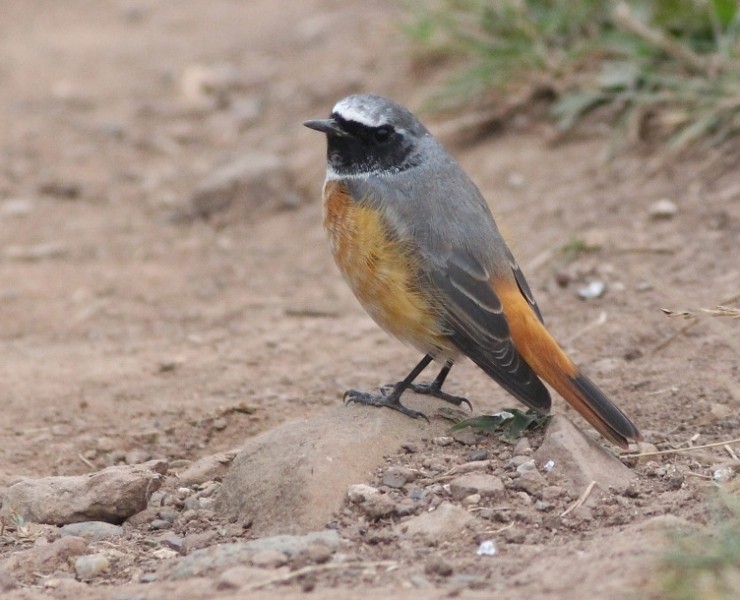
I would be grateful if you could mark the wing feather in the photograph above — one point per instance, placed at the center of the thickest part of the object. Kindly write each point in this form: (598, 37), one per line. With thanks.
(478, 328)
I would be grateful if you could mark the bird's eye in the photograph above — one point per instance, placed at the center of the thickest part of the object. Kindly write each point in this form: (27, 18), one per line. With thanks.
(382, 134)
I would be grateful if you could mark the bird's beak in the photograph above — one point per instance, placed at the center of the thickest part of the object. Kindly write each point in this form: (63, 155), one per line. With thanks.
(327, 126)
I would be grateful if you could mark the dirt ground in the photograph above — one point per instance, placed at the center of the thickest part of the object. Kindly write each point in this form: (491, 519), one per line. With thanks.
(127, 333)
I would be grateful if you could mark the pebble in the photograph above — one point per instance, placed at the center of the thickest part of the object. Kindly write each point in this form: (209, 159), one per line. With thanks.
(530, 481)
(444, 440)
(488, 486)
(662, 209)
(467, 436)
(90, 566)
(486, 548)
(173, 542)
(92, 530)
(522, 447)
(594, 289)
(269, 559)
(359, 492)
(472, 500)
(527, 465)
(447, 520)
(478, 455)
(110, 495)
(208, 468)
(470, 467)
(221, 556)
(436, 565)
(378, 506)
(397, 477)
(160, 524)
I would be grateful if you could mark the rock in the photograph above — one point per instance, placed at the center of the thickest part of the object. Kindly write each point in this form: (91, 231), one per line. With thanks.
(662, 209)
(530, 481)
(45, 558)
(487, 486)
(90, 566)
(446, 521)
(293, 478)
(269, 559)
(594, 289)
(225, 555)
(377, 506)
(110, 495)
(397, 477)
(579, 460)
(93, 530)
(522, 447)
(478, 455)
(252, 181)
(360, 492)
(467, 436)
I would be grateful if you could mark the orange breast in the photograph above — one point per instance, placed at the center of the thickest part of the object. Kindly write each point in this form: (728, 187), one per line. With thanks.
(380, 271)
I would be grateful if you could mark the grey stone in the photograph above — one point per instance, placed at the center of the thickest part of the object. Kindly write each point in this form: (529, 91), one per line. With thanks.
(208, 468)
(90, 566)
(487, 486)
(447, 520)
(93, 530)
(226, 555)
(530, 481)
(45, 558)
(110, 495)
(579, 460)
(397, 477)
(269, 559)
(293, 478)
(255, 180)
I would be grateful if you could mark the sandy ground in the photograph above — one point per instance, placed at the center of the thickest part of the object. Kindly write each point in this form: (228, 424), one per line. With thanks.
(126, 332)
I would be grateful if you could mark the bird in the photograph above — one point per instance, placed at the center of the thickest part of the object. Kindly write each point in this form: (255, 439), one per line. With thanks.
(417, 243)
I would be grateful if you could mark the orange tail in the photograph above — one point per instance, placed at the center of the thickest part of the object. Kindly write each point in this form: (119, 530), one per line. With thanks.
(542, 353)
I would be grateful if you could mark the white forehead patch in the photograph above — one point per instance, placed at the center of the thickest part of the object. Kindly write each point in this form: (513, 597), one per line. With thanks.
(351, 111)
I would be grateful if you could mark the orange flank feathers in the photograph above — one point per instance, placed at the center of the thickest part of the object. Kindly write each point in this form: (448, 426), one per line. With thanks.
(379, 270)
(541, 352)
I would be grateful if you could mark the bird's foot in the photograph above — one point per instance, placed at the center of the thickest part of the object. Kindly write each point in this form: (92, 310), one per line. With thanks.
(432, 389)
(387, 397)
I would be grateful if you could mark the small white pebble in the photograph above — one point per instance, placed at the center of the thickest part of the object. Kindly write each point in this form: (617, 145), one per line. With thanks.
(90, 565)
(663, 209)
(723, 474)
(486, 548)
(548, 466)
(526, 466)
(593, 290)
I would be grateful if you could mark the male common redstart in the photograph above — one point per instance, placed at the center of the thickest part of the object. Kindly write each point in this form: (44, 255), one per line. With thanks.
(416, 242)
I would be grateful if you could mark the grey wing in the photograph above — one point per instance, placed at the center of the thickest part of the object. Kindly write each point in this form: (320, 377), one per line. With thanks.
(478, 328)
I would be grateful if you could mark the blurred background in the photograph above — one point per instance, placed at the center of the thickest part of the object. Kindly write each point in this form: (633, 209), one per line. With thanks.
(165, 285)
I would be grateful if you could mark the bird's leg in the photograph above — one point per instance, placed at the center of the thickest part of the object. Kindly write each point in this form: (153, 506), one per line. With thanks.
(435, 388)
(390, 396)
